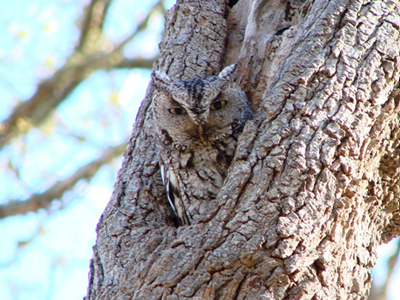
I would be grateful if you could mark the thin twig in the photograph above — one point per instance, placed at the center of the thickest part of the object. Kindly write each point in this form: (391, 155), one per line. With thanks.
(43, 200)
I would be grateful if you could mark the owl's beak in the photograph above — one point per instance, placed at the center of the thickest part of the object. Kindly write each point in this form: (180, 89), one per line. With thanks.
(201, 132)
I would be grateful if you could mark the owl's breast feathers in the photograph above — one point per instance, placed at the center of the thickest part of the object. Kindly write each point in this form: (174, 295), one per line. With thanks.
(193, 177)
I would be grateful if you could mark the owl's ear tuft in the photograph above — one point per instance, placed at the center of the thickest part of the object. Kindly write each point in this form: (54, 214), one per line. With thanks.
(228, 76)
(161, 81)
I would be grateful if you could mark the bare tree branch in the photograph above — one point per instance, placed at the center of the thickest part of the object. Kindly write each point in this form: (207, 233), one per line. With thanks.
(37, 201)
(141, 26)
(145, 63)
(51, 92)
(93, 20)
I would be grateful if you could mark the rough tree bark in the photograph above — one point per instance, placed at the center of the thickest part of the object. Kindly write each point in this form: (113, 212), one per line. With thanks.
(314, 185)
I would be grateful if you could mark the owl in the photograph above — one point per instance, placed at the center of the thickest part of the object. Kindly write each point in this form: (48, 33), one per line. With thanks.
(197, 123)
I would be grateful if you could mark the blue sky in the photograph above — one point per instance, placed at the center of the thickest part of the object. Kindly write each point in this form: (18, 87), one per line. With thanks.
(36, 39)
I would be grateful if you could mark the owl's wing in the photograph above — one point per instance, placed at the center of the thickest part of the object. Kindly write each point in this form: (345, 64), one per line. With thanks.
(174, 198)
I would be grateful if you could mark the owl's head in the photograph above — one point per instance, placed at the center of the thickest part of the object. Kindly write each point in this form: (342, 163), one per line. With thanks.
(199, 108)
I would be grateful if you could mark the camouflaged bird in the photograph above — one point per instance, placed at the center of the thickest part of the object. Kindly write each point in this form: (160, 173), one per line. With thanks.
(198, 122)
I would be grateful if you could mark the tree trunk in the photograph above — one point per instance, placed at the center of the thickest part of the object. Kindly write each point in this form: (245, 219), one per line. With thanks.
(314, 185)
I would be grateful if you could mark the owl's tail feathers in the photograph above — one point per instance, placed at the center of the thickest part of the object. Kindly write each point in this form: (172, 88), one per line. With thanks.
(178, 206)
(174, 198)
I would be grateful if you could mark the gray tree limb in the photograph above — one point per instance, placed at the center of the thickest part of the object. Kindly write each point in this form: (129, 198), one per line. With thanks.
(94, 16)
(57, 190)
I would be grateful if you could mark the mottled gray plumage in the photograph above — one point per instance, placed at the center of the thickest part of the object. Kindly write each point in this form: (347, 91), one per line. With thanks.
(198, 122)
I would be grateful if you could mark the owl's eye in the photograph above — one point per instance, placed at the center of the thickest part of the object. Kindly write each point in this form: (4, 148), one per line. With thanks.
(177, 111)
(217, 105)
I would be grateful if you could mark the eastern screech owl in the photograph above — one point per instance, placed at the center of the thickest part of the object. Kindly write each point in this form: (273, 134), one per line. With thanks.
(198, 122)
